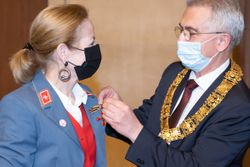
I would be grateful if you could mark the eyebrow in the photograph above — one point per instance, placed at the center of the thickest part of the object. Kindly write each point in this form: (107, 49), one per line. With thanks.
(188, 28)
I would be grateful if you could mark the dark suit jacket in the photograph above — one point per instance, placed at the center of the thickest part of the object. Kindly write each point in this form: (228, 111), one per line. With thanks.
(220, 140)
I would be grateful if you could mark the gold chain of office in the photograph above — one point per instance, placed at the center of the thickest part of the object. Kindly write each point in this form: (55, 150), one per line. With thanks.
(231, 78)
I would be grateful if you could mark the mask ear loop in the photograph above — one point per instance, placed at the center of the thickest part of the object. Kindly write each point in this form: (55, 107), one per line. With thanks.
(64, 74)
(68, 62)
(216, 54)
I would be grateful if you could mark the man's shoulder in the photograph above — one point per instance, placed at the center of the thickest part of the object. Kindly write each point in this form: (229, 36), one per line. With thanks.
(240, 94)
(176, 64)
(173, 68)
(170, 73)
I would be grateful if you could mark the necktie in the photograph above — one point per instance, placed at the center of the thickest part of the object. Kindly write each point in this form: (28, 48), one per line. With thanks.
(190, 86)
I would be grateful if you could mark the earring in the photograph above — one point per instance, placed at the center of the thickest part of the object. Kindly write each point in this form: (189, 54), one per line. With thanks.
(64, 74)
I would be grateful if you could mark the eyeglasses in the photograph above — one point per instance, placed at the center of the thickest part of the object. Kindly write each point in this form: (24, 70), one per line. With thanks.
(188, 34)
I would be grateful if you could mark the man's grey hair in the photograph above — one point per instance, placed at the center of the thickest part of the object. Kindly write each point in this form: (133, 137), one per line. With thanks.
(226, 17)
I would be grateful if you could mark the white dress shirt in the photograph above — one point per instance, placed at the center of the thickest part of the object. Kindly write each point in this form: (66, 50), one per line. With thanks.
(203, 84)
(80, 97)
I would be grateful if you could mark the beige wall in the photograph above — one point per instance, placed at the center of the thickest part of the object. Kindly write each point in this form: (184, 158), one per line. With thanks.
(137, 41)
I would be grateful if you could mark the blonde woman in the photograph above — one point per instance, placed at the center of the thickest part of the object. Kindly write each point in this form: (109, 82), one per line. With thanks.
(49, 120)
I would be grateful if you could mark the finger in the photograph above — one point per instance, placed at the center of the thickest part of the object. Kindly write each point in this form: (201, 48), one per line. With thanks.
(106, 92)
(100, 99)
(111, 111)
(108, 105)
(101, 96)
(108, 119)
(117, 103)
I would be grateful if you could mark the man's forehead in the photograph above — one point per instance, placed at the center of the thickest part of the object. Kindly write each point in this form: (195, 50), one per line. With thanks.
(196, 17)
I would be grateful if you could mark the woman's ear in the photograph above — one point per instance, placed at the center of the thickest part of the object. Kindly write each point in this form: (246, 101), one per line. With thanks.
(223, 42)
(62, 51)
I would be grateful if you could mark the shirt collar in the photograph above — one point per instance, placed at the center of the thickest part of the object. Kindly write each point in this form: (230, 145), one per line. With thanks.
(80, 95)
(206, 80)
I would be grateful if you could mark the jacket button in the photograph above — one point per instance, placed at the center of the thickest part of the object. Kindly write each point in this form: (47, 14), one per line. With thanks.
(140, 161)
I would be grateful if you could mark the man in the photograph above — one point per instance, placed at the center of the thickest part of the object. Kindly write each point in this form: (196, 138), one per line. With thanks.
(200, 112)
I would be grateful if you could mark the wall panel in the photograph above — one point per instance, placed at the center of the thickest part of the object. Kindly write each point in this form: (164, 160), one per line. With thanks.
(245, 58)
(16, 17)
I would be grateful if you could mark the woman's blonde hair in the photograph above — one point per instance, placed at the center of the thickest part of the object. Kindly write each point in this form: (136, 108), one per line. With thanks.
(52, 26)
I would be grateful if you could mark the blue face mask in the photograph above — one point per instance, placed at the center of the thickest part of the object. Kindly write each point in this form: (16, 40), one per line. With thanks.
(191, 56)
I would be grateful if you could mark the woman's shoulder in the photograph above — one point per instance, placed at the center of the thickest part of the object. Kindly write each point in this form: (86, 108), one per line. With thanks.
(21, 96)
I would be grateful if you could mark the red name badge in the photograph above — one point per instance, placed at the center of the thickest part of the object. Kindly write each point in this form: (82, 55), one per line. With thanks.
(45, 97)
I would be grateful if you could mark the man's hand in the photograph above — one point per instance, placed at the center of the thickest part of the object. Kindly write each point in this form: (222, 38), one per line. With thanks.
(121, 118)
(107, 92)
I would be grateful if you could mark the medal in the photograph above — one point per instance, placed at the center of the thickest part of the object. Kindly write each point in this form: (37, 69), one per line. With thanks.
(95, 108)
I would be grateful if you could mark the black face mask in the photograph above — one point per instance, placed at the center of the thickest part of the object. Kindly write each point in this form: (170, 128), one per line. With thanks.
(91, 64)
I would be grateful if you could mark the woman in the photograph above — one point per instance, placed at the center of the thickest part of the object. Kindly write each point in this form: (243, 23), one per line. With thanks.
(50, 121)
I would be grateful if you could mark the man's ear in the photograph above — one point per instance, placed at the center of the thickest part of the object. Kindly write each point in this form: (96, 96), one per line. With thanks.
(62, 51)
(223, 42)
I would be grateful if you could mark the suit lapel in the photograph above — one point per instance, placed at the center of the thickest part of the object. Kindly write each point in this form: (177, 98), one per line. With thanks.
(176, 96)
(160, 96)
(53, 108)
(92, 116)
(91, 101)
(179, 90)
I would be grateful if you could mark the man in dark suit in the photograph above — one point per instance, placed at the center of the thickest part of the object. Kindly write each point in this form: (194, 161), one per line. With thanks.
(200, 112)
